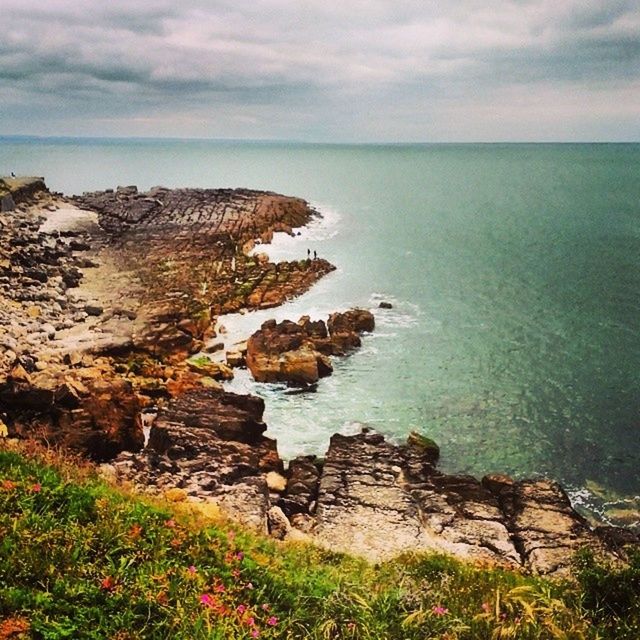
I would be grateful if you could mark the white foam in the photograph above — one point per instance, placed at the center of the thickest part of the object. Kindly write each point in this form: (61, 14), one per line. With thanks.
(287, 247)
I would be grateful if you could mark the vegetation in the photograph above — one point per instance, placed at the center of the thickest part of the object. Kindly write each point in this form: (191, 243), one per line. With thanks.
(81, 559)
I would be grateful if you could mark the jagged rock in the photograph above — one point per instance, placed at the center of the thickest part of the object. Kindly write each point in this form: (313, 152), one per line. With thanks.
(285, 353)
(354, 320)
(297, 352)
(228, 415)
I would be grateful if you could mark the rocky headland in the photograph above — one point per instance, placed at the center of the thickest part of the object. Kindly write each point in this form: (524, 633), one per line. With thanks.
(106, 297)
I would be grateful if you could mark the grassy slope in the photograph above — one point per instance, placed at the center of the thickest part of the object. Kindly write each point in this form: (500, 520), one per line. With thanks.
(80, 559)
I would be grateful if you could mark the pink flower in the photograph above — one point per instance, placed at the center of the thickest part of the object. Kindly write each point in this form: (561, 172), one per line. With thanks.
(255, 633)
(36, 487)
(219, 588)
(265, 607)
(249, 585)
(272, 621)
(206, 599)
(192, 570)
(241, 609)
(439, 610)
(486, 607)
(239, 555)
(251, 621)
(170, 524)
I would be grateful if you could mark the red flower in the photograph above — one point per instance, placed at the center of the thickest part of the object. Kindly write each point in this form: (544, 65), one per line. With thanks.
(36, 487)
(8, 485)
(272, 621)
(108, 584)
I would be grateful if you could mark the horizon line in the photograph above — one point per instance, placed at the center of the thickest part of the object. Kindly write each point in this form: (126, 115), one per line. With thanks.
(28, 137)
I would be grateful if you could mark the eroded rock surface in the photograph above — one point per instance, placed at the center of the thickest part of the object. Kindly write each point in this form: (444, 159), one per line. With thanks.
(379, 500)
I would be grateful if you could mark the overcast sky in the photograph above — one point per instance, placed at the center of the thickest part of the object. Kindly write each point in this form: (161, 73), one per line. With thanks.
(323, 70)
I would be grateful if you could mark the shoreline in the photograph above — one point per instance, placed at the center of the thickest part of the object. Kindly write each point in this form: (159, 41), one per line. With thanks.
(95, 401)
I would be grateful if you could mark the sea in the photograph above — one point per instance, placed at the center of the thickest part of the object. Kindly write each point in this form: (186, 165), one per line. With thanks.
(512, 270)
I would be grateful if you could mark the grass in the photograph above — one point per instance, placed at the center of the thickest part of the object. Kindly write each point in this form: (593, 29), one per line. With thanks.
(81, 559)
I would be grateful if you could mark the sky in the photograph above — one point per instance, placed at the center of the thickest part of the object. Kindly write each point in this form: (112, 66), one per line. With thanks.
(323, 70)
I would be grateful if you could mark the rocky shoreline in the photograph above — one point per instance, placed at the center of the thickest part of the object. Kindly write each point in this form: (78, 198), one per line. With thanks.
(103, 299)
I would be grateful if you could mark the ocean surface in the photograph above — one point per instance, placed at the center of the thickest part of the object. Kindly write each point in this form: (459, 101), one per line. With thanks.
(513, 270)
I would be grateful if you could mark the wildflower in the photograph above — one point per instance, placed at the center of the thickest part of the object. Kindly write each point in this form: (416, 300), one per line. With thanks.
(170, 523)
(351, 626)
(8, 485)
(236, 573)
(239, 555)
(272, 621)
(192, 570)
(251, 621)
(36, 487)
(439, 610)
(107, 584)
(135, 531)
(486, 607)
(249, 585)
(255, 633)
(265, 607)
(206, 599)
(241, 609)
(219, 588)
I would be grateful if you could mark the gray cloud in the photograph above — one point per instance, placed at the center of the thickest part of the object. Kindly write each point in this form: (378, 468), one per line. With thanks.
(364, 69)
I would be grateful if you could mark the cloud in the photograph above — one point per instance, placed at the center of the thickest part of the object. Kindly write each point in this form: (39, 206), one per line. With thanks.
(214, 62)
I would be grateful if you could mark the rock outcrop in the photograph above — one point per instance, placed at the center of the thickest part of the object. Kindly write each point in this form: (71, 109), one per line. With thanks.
(96, 319)
(380, 500)
(210, 445)
(298, 352)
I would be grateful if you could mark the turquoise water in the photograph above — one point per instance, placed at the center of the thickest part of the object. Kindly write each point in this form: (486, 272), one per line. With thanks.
(513, 271)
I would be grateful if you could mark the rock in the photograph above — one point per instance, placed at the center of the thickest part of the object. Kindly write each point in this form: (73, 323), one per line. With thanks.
(276, 482)
(297, 352)
(427, 447)
(302, 485)
(354, 320)
(279, 525)
(7, 203)
(93, 310)
(207, 367)
(378, 500)
(385, 305)
(227, 415)
(235, 359)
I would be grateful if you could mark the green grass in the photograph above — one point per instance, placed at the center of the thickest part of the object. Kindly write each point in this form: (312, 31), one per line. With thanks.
(80, 559)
